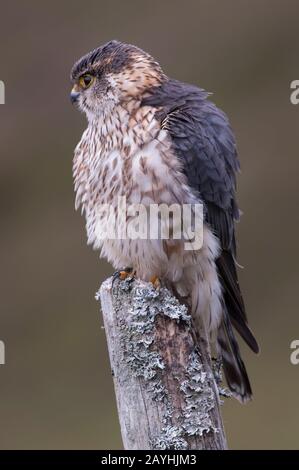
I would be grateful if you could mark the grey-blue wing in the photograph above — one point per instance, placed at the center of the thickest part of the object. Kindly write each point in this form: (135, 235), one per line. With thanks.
(204, 142)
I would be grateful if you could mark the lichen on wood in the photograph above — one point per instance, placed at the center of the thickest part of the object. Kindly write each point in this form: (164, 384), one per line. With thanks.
(165, 389)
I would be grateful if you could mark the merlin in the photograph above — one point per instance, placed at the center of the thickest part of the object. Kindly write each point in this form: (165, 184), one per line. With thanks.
(156, 140)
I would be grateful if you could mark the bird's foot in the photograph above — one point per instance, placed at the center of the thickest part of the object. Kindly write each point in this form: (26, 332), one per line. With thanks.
(123, 274)
(156, 282)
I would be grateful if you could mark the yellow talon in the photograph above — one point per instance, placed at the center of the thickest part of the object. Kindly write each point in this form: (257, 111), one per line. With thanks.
(156, 282)
(123, 274)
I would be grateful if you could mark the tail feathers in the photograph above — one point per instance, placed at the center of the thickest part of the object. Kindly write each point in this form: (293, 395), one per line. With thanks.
(233, 366)
(243, 329)
(233, 298)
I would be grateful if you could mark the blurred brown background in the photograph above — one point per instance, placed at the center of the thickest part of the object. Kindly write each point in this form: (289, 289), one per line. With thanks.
(56, 389)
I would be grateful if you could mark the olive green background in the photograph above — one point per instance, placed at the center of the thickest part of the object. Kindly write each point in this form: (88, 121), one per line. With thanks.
(56, 389)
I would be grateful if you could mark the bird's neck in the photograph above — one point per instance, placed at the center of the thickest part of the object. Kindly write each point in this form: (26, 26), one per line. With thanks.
(126, 124)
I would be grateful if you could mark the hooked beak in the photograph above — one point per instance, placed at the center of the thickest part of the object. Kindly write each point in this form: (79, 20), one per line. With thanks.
(74, 96)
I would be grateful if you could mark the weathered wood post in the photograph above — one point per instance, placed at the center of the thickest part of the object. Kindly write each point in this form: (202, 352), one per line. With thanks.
(166, 394)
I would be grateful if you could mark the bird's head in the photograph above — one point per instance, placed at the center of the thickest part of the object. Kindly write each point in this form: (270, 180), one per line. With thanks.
(113, 74)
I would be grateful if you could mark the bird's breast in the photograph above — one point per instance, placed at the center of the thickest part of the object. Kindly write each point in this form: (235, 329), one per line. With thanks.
(131, 163)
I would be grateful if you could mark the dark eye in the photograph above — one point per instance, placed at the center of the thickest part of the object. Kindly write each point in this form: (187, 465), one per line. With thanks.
(86, 80)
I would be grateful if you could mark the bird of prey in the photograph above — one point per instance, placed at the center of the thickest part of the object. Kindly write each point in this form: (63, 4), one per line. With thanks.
(156, 140)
